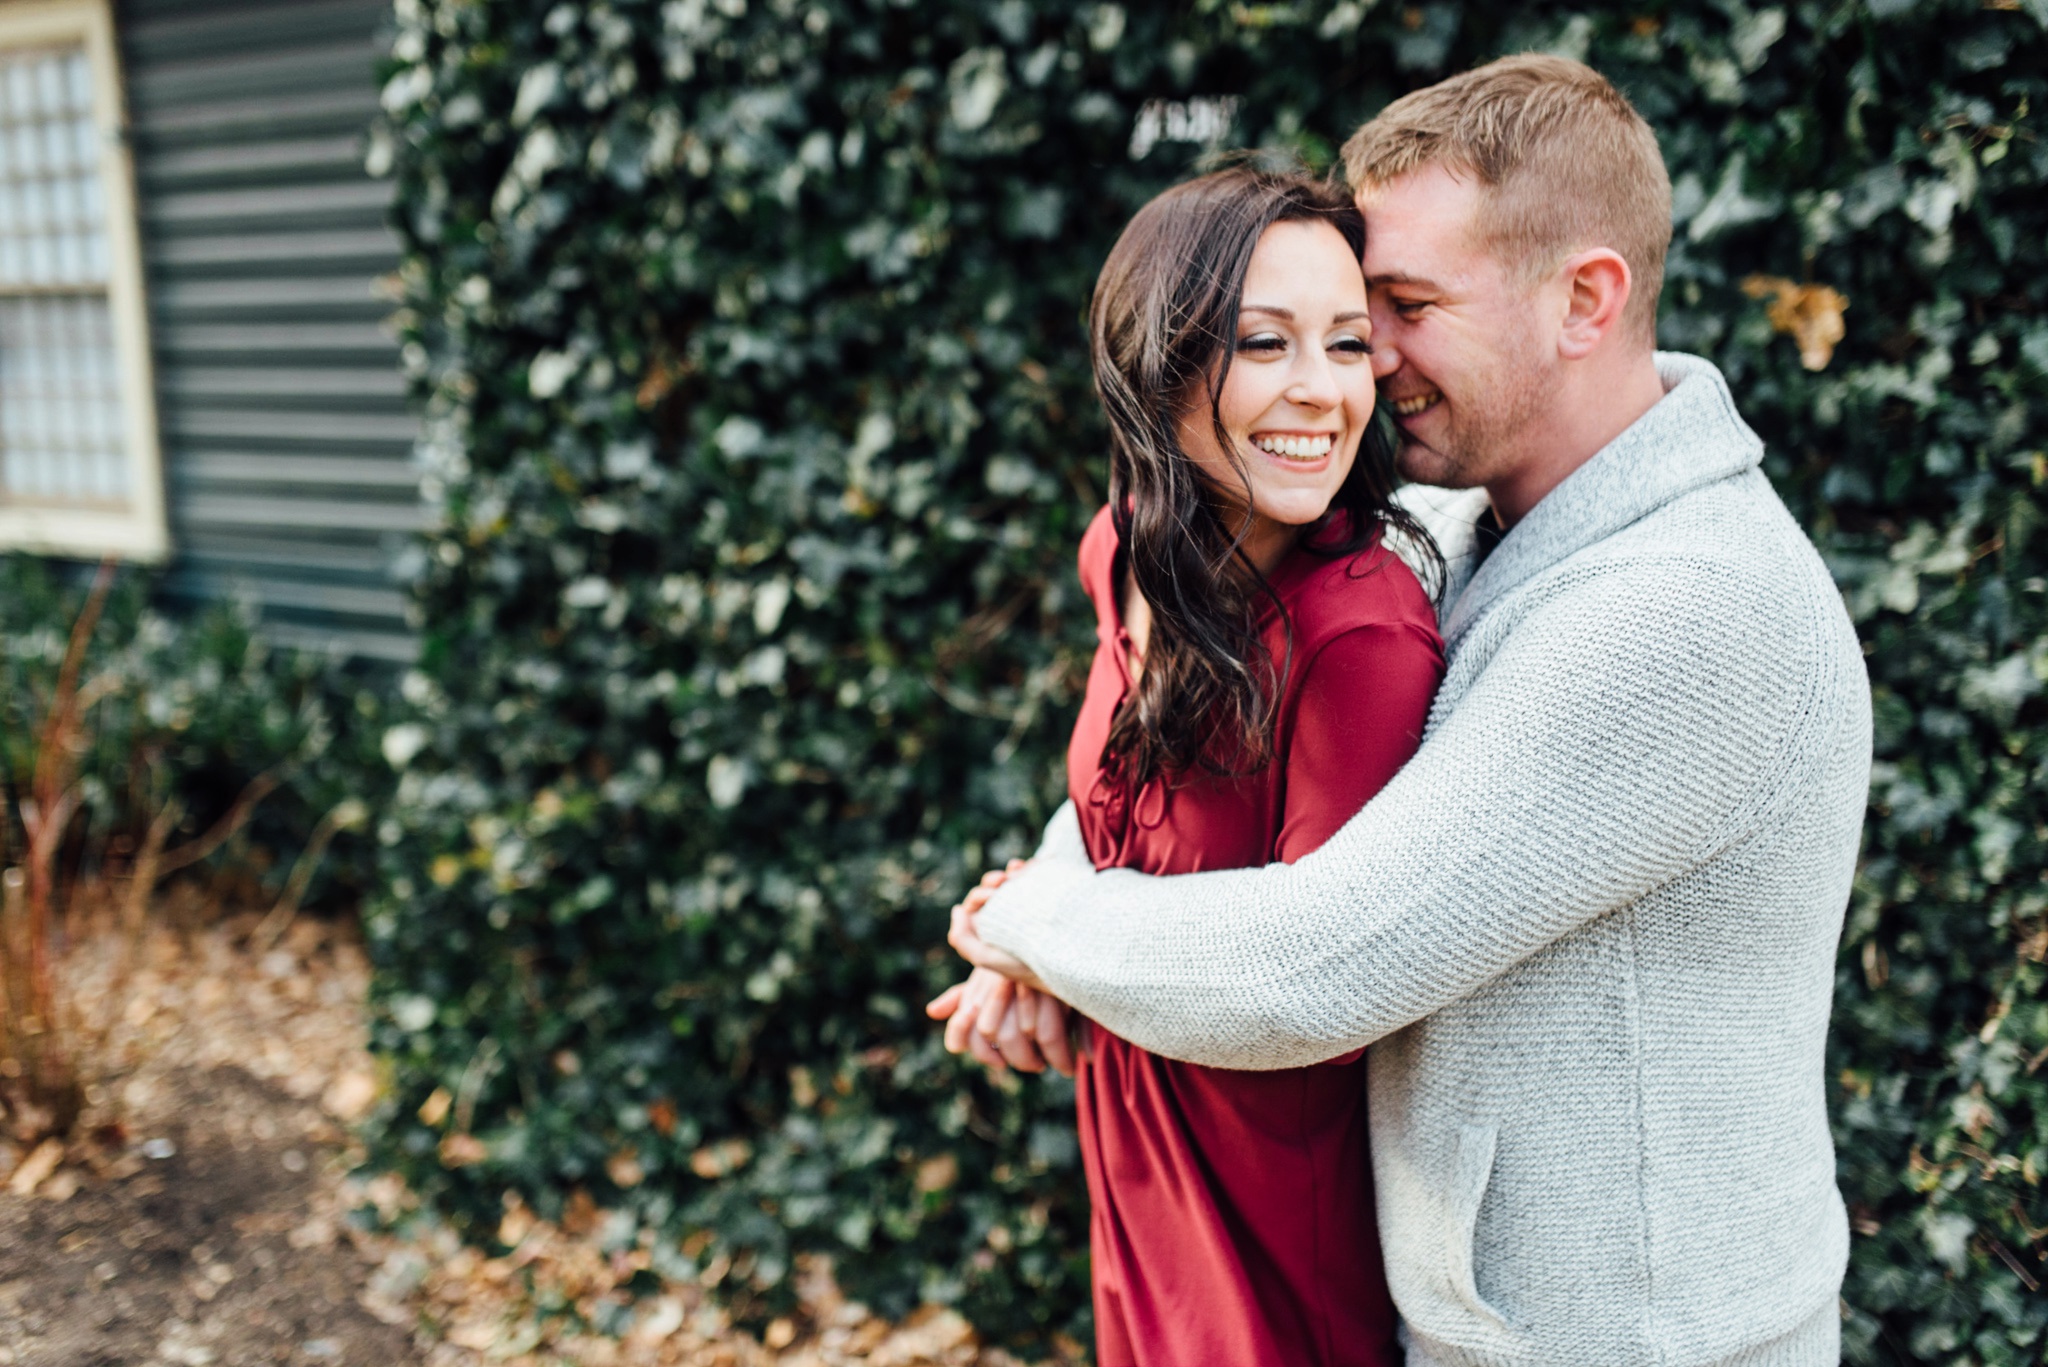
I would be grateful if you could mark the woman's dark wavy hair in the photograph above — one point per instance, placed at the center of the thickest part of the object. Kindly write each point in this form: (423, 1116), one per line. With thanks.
(1162, 330)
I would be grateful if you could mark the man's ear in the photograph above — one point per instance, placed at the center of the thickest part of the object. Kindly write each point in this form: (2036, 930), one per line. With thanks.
(1598, 285)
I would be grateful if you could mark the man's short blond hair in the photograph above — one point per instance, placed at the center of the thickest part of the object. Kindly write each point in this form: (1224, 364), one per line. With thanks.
(1567, 162)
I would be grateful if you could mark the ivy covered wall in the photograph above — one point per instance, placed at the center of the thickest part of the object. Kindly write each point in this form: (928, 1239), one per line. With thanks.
(748, 336)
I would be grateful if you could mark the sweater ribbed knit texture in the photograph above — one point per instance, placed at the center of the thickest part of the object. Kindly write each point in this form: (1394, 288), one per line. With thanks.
(1589, 931)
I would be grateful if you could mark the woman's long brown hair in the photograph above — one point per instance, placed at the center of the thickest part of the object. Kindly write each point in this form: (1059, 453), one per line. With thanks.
(1162, 330)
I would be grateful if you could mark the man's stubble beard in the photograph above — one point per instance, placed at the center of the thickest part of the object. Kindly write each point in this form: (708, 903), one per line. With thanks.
(1484, 436)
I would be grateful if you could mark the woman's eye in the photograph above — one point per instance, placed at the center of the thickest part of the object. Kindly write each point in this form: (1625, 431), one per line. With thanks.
(1262, 342)
(1351, 346)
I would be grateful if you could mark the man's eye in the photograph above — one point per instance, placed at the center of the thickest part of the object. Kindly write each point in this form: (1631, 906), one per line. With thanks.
(1262, 341)
(1409, 308)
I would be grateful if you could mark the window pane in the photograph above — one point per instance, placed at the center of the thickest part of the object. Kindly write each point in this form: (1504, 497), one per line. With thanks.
(60, 401)
(60, 397)
(49, 171)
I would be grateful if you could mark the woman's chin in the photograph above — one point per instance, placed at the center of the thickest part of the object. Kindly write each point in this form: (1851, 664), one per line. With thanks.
(1295, 510)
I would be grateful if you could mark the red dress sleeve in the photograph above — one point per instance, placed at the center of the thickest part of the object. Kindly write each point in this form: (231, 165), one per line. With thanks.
(1358, 717)
(1096, 561)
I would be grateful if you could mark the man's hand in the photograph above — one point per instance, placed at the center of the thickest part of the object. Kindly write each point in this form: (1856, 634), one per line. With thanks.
(1004, 1018)
(972, 947)
(1004, 1024)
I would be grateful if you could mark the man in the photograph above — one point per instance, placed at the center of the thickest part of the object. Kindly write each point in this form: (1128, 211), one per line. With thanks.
(1590, 929)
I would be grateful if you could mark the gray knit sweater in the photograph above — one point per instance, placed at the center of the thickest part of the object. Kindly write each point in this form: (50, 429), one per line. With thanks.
(1589, 930)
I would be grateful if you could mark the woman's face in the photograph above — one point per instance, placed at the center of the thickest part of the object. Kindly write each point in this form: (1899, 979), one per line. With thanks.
(1300, 389)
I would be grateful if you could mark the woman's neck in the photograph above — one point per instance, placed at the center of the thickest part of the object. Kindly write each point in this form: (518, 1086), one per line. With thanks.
(1266, 546)
(1267, 543)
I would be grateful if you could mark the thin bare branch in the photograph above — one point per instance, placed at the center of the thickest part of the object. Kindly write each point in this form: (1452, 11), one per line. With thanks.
(348, 813)
(224, 829)
(148, 868)
(53, 752)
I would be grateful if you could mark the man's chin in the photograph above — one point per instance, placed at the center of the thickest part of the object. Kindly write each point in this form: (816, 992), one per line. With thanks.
(1422, 464)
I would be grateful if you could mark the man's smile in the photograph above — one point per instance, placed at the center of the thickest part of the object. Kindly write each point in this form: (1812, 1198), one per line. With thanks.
(1416, 403)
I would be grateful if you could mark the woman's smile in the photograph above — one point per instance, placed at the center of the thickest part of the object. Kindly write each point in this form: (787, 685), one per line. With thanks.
(1306, 450)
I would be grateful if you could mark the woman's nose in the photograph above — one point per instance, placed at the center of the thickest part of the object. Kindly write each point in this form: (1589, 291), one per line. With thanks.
(1315, 384)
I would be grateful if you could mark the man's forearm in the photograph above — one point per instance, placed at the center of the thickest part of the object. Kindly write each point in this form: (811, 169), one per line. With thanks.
(1080, 924)
(1531, 811)
(1061, 842)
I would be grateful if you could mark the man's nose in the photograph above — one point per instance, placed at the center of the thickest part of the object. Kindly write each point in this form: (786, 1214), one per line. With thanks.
(1386, 357)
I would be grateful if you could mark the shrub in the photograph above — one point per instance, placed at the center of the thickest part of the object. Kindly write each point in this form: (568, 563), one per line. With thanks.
(181, 716)
(132, 747)
(748, 338)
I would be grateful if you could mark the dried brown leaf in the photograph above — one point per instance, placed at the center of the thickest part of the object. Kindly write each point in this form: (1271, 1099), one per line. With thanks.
(938, 1173)
(1812, 314)
(41, 1162)
(716, 1160)
(624, 1169)
(435, 1108)
(460, 1150)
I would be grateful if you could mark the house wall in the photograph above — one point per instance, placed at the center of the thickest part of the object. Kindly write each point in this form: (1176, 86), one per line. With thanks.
(286, 436)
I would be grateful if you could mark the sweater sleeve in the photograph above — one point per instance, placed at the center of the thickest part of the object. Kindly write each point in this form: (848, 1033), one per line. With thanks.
(1062, 842)
(1358, 716)
(1599, 754)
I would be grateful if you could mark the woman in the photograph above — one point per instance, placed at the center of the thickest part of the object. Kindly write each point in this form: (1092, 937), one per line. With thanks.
(1265, 664)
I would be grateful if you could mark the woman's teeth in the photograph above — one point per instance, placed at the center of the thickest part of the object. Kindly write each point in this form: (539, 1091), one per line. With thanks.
(1408, 408)
(1296, 448)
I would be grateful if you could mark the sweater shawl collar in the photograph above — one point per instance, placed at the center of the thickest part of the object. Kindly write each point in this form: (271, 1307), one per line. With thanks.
(1691, 438)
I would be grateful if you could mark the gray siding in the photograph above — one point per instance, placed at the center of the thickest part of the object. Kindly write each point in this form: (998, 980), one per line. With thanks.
(286, 436)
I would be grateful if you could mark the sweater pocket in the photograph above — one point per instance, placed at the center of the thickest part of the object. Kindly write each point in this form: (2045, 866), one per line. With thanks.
(1468, 1188)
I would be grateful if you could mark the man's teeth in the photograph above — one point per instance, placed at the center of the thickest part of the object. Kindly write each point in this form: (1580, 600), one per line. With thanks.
(1408, 408)
(1297, 448)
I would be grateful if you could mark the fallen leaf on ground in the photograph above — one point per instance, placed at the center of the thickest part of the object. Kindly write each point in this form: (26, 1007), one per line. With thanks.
(38, 1165)
(351, 1096)
(929, 1335)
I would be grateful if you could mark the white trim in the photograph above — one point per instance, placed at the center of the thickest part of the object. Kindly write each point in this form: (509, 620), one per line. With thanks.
(139, 531)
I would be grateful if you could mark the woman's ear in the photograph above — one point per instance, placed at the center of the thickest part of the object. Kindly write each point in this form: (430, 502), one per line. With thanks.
(1598, 285)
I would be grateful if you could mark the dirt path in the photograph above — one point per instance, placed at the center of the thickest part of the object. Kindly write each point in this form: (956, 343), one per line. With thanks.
(198, 1257)
(198, 1229)
(207, 1222)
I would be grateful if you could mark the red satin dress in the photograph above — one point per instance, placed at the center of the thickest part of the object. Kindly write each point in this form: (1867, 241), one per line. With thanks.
(1233, 1221)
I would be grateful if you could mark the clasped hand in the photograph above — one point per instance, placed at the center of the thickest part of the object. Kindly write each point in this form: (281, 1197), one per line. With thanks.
(1002, 1014)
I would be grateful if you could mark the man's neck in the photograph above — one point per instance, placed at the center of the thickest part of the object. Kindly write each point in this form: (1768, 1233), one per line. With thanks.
(1597, 405)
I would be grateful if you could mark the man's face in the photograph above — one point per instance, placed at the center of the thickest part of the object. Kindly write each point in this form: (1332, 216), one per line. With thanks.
(1462, 356)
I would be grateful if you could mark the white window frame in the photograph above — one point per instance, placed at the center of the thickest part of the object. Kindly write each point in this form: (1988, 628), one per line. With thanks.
(138, 531)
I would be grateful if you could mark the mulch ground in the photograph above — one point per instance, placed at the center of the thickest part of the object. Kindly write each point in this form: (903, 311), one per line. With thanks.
(205, 1219)
(194, 1226)
(190, 1258)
